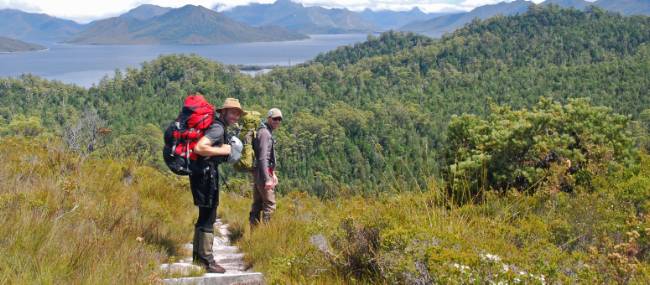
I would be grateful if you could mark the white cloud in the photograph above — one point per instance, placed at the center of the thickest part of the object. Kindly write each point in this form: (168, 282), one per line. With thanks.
(20, 5)
(86, 10)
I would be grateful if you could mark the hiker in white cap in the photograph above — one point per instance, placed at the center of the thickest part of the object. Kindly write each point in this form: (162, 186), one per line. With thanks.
(264, 172)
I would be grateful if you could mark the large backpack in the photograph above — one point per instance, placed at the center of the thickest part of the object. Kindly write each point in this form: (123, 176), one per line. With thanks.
(250, 121)
(182, 135)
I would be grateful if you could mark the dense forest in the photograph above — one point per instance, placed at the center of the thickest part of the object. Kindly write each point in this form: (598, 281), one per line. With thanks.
(551, 99)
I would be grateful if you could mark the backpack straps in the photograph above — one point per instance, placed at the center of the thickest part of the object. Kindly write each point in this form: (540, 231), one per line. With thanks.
(216, 160)
(223, 125)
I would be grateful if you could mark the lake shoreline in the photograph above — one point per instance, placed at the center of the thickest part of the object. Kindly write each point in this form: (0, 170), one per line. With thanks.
(86, 65)
(22, 51)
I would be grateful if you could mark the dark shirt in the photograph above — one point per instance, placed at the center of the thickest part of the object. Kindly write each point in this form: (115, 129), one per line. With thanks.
(204, 180)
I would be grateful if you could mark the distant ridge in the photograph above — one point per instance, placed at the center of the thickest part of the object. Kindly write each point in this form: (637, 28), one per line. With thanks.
(13, 45)
(186, 25)
(298, 18)
(448, 23)
(25, 26)
(145, 11)
(445, 24)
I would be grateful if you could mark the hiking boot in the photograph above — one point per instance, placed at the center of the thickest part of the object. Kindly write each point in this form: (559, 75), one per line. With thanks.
(214, 268)
(204, 257)
(253, 219)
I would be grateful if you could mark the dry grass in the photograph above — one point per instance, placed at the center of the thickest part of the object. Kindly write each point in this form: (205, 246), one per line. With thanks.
(72, 220)
(67, 219)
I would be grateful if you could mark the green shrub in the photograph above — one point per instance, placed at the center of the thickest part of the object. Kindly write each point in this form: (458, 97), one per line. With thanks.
(556, 146)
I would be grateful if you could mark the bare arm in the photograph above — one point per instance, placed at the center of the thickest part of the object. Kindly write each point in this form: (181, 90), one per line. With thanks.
(204, 148)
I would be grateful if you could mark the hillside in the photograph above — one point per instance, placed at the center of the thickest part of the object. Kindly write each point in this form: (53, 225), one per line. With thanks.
(387, 43)
(535, 124)
(577, 4)
(35, 27)
(298, 18)
(439, 26)
(12, 45)
(175, 27)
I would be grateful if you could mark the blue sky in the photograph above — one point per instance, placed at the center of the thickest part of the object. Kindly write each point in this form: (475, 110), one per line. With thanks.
(87, 10)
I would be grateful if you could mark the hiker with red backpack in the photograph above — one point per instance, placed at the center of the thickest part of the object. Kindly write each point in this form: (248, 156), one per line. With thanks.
(205, 184)
(195, 143)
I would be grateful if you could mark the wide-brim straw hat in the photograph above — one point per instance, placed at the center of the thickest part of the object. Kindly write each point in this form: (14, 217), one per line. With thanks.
(231, 103)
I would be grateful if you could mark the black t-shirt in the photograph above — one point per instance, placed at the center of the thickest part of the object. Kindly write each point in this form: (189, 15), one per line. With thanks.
(204, 180)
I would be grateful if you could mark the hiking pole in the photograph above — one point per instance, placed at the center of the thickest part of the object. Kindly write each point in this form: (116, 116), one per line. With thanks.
(225, 182)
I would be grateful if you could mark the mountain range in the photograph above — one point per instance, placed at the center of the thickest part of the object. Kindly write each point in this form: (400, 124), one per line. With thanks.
(317, 20)
(281, 20)
(186, 25)
(438, 26)
(296, 17)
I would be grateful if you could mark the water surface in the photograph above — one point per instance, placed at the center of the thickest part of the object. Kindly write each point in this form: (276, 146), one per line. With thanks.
(86, 64)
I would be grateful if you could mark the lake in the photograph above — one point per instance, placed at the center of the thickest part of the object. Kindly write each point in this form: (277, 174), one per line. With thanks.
(85, 65)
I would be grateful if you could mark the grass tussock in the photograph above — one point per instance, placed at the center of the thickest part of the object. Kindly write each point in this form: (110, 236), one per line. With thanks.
(69, 219)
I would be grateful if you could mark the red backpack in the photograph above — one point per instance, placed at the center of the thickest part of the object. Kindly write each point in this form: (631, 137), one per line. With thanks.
(183, 133)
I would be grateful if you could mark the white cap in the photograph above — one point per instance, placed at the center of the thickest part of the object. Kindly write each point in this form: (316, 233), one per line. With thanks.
(274, 113)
